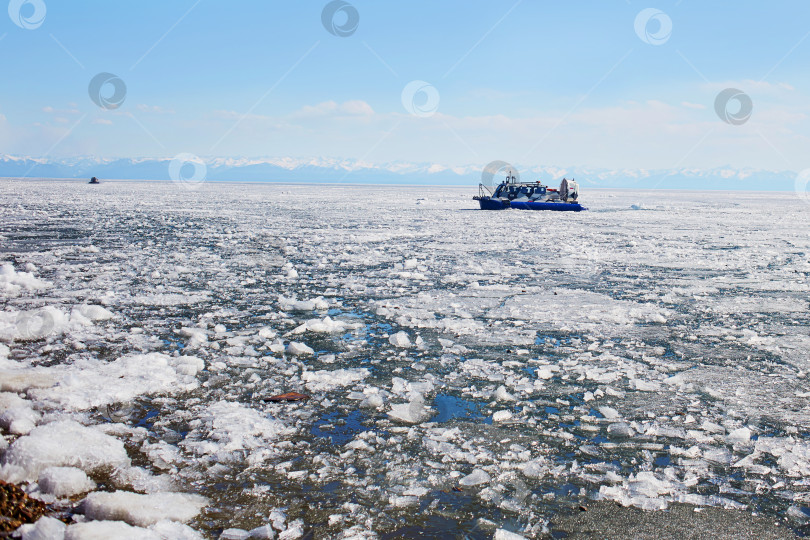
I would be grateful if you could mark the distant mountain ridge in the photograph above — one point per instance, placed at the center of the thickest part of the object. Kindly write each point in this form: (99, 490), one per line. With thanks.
(332, 170)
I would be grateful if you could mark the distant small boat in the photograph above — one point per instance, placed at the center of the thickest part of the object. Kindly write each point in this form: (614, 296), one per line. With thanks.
(530, 196)
(94, 180)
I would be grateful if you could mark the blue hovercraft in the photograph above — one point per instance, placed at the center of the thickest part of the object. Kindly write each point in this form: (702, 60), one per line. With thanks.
(512, 193)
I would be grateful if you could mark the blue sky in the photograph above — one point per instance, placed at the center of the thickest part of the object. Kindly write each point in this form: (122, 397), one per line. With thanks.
(531, 82)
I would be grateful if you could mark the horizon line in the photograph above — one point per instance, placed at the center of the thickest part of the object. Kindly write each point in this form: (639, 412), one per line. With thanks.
(372, 184)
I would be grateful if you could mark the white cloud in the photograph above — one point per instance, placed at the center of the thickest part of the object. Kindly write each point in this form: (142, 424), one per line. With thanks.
(331, 108)
(357, 107)
(240, 122)
(72, 110)
(653, 134)
(491, 94)
(750, 86)
(154, 109)
(236, 115)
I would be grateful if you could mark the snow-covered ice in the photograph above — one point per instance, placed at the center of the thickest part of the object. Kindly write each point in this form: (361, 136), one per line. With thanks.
(142, 510)
(64, 481)
(456, 374)
(64, 443)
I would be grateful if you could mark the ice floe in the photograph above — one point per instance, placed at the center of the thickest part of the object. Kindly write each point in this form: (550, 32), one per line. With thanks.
(63, 443)
(13, 282)
(142, 510)
(91, 383)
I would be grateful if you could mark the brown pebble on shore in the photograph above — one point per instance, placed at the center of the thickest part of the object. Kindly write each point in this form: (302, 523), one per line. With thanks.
(17, 508)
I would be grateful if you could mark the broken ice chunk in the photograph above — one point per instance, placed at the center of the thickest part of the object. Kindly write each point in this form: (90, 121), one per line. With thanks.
(142, 510)
(410, 413)
(501, 394)
(711, 427)
(502, 416)
(93, 312)
(197, 336)
(12, 282)
(92, 530)
(65, 443)
(299, 349)
(293, 531)
(46, 528)
(546, 372)
(621, 429)
(234, 534)
(400, 339)
(535, 468)
(267, 333)
(292, 304)
(401, 501)
(798, 513)
(326, 325)
(17, 416)
(321, 380)
(645, 386)
(609, 412)
(262, 532)
(277, 346)
(741, 436)
(718, 455)
(64, 481)
(503, 534)
(478, 476)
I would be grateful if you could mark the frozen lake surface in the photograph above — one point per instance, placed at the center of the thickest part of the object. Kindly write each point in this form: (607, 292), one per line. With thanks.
(469, 371)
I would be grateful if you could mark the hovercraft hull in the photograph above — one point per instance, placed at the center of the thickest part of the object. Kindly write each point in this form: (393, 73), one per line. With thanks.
(499, 204)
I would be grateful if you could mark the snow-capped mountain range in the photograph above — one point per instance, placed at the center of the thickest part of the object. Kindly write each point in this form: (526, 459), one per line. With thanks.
(348, 171)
